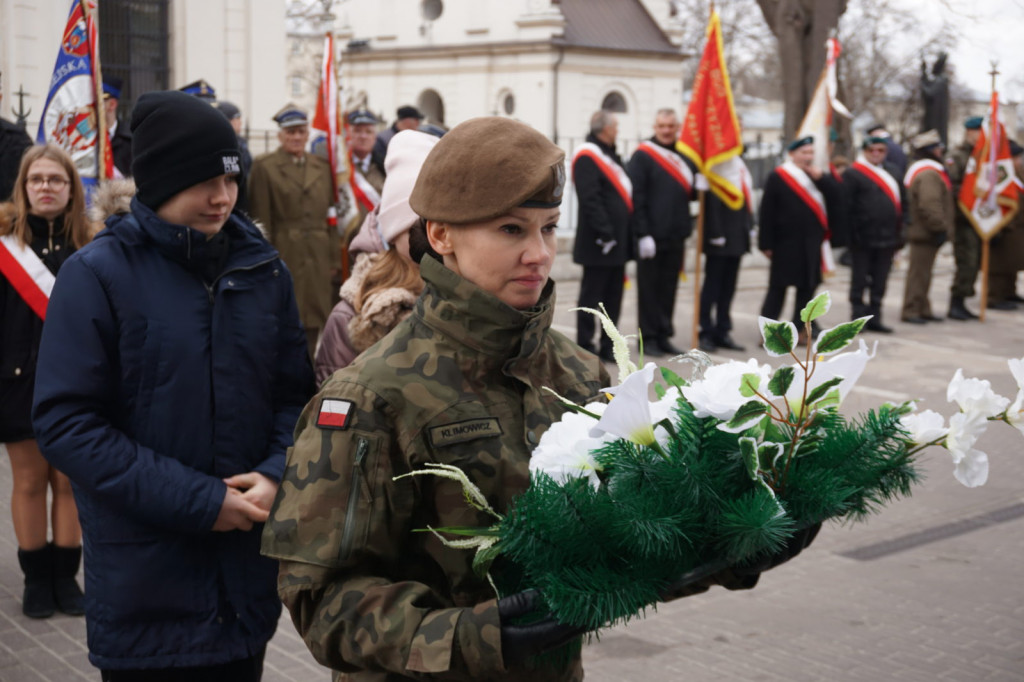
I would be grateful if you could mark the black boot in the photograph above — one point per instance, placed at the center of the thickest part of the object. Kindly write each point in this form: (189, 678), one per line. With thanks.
(875, 323)
(37, 565)
(958, 311)
(66, 591)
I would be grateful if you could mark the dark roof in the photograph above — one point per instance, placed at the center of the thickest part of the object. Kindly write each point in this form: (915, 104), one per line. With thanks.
(613, 25)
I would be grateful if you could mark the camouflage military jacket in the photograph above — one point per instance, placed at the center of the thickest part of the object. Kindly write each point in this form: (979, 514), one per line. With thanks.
(458, 382)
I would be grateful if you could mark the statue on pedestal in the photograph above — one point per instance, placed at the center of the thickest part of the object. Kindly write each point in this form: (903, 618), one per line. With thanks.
(935, 96)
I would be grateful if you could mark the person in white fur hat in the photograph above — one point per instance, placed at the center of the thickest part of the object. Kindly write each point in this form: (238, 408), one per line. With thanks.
(385, 281)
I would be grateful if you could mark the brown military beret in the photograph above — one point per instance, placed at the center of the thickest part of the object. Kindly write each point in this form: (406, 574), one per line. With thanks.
(484, 168)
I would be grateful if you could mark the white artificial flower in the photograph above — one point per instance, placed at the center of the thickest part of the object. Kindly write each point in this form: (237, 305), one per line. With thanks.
(628, 415)
(971, 465)
(848, 366)
(1015, 412)
(975, 395)
(718, 393)
(565, 450)
(924, 427)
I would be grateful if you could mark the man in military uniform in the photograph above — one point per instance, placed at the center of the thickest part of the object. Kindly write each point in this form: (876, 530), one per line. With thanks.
(1007, 250)
(367, 177)
(930, 199)
(966, 242)
(120, 136)
(13, 143)
(290, 193)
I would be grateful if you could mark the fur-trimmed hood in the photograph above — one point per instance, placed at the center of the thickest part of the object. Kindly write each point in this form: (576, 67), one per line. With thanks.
(114, 197)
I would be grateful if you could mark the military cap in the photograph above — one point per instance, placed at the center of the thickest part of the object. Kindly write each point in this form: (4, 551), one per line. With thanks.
(873, 139)
(362, 117)
(200, 89)
(408, 111)
(229, 110)
(485, 167)
(290, 116)
(800, 142)
(112, 86)
(973, 123)
(928, 138)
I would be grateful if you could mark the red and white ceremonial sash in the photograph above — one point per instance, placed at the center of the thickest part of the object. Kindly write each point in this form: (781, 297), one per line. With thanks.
(925, 165)
(365, 193)
(671, 162)
(881, 177)
(803, 187)
(615, 173)
(27, 273)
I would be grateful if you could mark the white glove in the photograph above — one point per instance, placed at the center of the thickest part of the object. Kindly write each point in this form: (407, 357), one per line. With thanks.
(701, 183)
(606, 247)
(646, 247)
(717, 241)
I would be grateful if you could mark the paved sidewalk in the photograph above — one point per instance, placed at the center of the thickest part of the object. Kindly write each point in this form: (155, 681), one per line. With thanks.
(930, 589)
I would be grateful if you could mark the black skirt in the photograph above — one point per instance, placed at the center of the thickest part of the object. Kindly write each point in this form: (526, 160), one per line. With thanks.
(16, 409)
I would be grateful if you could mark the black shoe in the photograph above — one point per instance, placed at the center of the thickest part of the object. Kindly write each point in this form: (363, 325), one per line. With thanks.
(958, 311)
(706, 343)
(665, 346)
(66, 591)
(38, 568)
(874, 326)
(653, 351)
(607, 355)
(1002, 305)
(1015, 298)
(932, 318)
(727, 343)
(915, 320)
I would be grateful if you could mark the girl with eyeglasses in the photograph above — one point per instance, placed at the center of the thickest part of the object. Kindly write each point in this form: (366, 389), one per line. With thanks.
(39, 229)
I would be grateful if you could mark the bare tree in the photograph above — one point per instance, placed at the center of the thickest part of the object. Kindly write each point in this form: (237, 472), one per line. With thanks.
(801, 28)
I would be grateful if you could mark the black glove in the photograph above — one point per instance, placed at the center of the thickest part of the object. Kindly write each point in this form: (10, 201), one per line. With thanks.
(522, 641)
(794, 545)
(938, 238)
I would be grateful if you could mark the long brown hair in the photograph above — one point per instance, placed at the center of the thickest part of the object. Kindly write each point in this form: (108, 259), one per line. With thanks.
(390, 270)
(76, 224)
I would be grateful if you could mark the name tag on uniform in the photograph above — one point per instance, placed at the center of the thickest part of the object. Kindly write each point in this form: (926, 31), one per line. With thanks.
(460, 432)
(334, 413)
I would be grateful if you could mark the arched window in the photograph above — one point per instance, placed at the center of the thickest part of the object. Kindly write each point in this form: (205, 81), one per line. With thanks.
(432, 106)
(614, 101)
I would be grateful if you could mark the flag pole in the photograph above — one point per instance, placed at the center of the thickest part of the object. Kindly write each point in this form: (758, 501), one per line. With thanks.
(698, 250)
(993, 140)
(97, 88)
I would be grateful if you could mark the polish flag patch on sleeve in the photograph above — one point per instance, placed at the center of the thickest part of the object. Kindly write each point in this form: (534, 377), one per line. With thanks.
(334, 413)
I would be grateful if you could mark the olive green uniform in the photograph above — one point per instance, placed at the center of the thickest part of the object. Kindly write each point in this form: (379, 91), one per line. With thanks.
(459, 382)
(1006, 259)
(966, 242)
(931, 214)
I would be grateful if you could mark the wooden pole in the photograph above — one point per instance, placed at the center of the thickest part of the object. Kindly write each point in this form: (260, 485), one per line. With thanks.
(984, 278)
(695, 340)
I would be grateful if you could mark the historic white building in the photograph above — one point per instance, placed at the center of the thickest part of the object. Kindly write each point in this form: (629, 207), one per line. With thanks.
(548, 63)
(238, 46)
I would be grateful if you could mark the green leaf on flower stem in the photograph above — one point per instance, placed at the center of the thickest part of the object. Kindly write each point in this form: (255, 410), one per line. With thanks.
(483, 559)
(747, 416)
(779, 337)
(839, 337)
(659, 391)
(749, 383)
(748, 451)
(768, 455)
(781, 380)
(671, 378)
(821, 390)
(817, 307)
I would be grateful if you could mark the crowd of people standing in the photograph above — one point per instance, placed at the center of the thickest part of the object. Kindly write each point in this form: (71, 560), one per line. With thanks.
(163, 362)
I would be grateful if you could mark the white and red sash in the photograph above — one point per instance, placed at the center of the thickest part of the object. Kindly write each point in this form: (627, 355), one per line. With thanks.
(804, 187)
(615, 173)
(365, 193)
(671, 162)
(925, 165)
(882, 178)
(27, 273)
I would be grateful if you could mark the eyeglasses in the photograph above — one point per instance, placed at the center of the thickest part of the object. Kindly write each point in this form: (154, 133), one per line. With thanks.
(56, 182)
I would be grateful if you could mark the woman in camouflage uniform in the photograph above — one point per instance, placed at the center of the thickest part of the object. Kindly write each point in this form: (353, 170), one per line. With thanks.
(459, 382)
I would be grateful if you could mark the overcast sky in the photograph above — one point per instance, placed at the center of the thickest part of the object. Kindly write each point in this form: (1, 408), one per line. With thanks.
(988, 30)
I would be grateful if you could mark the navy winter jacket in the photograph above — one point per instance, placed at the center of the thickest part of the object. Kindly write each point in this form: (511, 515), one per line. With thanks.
(152, 386)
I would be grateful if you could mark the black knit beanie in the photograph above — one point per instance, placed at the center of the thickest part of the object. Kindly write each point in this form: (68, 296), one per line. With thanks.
(178, 141)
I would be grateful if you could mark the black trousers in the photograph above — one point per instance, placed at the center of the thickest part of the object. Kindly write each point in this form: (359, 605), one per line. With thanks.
(720, 276)
(657, 280)
(245, 670)
(599, 285)
(869, 272)
(776, 296)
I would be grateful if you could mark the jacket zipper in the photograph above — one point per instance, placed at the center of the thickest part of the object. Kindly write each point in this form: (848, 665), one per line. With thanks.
(362, 448)
(209, 287)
